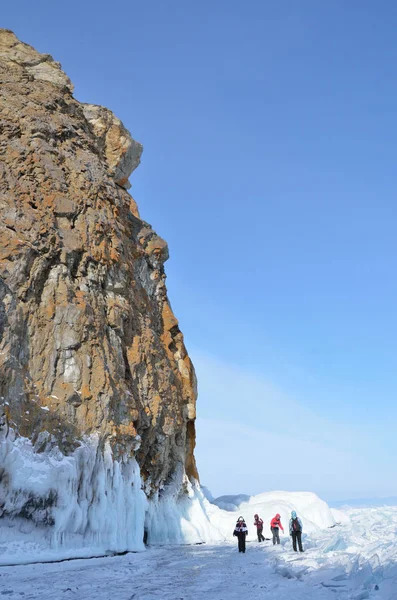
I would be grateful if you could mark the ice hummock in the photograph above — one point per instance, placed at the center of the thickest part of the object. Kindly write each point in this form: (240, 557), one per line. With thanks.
(315, 512)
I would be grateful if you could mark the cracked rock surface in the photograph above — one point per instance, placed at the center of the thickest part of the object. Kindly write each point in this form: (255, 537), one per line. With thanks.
(88, 340)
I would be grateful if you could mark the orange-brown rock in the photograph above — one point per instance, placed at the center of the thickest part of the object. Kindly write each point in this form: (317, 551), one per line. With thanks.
(86, 328)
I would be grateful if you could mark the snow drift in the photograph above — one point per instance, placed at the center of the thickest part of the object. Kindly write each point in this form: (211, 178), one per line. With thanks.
(314, 512)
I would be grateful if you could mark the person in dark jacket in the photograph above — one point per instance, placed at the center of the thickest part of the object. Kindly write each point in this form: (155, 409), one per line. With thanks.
(275, 526)
(259, 528)
(295, 531)
(241, 532)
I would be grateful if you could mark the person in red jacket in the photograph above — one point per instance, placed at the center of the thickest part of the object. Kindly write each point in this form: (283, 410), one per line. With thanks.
(259, 528)
(275, 526)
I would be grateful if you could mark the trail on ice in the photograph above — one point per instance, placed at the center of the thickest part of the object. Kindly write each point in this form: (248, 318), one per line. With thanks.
(357, 560)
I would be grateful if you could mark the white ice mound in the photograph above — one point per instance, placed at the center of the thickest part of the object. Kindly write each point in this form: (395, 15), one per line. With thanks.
(314, 512)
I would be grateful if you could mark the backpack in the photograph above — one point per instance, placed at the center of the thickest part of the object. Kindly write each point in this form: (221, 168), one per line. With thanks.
(296, 525)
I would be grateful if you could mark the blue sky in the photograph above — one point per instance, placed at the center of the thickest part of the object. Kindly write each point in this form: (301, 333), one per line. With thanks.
(269, 132)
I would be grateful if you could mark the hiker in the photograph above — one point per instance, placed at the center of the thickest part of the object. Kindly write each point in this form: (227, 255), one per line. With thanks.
(295, 531)
(241, 532)
(259, 528)
(275, 525)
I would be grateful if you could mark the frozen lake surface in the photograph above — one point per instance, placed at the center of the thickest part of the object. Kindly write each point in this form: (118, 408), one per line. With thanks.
(355, 560)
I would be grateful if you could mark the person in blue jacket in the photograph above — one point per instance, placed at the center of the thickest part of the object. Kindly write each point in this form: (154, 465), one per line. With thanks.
(295, 531)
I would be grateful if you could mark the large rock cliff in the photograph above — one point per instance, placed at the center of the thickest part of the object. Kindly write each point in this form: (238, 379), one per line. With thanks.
(89, 345)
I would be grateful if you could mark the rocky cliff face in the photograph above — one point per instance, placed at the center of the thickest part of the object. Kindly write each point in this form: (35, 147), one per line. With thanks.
(89, 345)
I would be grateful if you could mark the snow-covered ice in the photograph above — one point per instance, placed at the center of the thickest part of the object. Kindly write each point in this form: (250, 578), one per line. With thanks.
(89, 504)
(356, 560)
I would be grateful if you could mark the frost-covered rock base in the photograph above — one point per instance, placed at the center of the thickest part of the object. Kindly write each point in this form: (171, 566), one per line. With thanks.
(56, 506)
